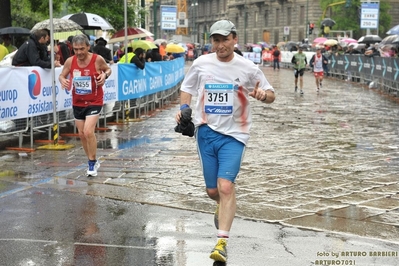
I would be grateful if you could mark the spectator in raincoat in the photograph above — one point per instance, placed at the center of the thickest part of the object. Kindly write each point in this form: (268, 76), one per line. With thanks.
(137, 57)
(100, 49)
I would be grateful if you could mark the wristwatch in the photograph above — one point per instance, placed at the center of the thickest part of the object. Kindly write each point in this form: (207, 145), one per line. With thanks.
(106, 75)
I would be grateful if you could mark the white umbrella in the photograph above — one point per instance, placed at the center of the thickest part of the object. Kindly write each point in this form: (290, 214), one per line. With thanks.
(89, 21)
(394, 30)
(159, 41)
(59, 25)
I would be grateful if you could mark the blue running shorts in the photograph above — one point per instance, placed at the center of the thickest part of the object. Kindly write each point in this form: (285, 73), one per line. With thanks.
(220, 155)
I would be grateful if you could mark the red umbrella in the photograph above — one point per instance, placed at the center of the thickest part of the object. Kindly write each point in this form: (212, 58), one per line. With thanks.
(132, 33)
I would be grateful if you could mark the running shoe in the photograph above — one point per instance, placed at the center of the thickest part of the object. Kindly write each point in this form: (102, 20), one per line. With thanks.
(321, 85)
(216, 217)
(301, 92)
(219, 253)
(296, 88)
(93, 167)
(318, 89)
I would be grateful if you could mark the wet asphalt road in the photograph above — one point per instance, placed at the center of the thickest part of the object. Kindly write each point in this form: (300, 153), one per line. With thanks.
(320, 177)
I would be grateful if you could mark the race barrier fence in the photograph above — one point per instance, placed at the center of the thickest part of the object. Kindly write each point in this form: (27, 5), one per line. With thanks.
(383, 71)
(26, 100)
(27, 103)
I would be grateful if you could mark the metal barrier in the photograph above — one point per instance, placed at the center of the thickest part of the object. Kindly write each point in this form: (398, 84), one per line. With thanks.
(377, 72)
(10, 99)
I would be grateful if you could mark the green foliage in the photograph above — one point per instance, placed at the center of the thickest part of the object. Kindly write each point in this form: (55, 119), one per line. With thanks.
(385, 19)
(348, 18)
(111, 10)
(26, 13)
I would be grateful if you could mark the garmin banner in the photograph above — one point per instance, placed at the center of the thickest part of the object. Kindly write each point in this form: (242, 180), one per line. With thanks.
(155, 77)
(385, 67)
(28, 91)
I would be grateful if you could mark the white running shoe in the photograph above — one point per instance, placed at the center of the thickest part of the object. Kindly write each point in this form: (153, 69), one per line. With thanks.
(93, 167)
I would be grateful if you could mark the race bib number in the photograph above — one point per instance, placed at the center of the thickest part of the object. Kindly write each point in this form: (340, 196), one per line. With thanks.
(82, 85)
(219, 99)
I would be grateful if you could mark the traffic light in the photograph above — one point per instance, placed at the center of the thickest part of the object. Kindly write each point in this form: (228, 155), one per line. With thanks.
(311, 27)
(348, 3)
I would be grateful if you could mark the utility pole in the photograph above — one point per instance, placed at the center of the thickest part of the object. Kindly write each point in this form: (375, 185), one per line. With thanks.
(154, 7)
(307, 18)
(142, 19)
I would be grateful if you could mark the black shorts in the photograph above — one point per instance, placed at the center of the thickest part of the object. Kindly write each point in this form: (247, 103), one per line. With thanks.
(299, 72)
(80, 113)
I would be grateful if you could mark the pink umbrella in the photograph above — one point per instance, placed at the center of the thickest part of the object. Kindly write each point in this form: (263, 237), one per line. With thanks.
(348, 40)
(319, 40)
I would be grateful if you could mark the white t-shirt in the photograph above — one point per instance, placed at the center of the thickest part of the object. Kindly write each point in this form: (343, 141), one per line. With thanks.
(222, 90)
(318, 63)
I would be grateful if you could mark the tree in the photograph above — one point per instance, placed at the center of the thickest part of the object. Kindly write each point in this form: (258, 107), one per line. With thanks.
(5, 13)
(26, 13)
(111, 10)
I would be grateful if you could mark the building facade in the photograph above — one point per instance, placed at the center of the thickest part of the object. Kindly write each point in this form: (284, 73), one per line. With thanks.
(271, 21)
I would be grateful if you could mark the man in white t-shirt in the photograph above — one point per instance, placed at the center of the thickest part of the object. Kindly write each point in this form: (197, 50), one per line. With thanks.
(317, 63)
(223, 83)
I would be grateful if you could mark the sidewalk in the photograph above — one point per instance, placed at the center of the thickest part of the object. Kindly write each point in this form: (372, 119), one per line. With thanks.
(319, 176)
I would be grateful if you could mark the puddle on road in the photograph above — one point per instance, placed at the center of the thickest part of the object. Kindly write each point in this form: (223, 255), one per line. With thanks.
(143, 140)
(18, 176)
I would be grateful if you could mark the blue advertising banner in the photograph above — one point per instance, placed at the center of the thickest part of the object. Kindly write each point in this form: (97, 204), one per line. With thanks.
(155, 77)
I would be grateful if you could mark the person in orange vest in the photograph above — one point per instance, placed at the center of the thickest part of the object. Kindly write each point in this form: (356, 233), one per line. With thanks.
(162, 51)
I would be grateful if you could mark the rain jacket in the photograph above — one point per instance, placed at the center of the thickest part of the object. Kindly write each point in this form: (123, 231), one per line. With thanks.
(186, 127)
(132, 58)
(32, 53)
(103, 51)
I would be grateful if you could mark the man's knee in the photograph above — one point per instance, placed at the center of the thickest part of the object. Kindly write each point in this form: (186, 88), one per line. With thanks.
(225, 187)
(213, 193)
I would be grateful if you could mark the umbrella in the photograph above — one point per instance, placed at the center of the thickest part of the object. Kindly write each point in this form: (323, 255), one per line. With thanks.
(132, 33)
(183, 45)
(145, 45)
(280, 44)
(257, 49)
(327, 22)
(264, 44)
(348, 40)
(390, 40)
(331, 42)
(159, 41)
(190, 45)
(290, 44)
(369, 39)
(14, 31)
(394, 30)
(358, 46)
(66, 34)
(319, 40)
(174, 48)
(59, 25)
(89, 21)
